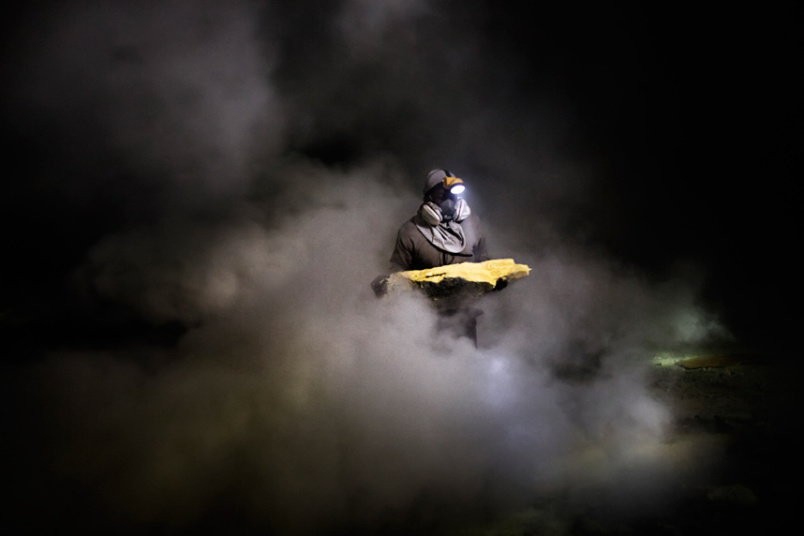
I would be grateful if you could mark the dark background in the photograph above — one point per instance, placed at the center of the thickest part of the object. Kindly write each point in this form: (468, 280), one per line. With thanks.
(659, 136)
(689, 116)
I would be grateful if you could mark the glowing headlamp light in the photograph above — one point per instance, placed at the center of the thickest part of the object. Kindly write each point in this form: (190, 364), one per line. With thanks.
(454, 185)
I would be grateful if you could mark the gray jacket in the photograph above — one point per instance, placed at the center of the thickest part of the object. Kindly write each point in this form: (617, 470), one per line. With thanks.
(414, 252)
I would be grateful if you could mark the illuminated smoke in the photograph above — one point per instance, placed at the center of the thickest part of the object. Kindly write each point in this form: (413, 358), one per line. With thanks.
(311, 404)
(295, 400)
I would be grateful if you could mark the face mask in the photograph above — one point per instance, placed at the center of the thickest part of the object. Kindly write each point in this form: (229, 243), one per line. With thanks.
(450, 210)
(430, 213)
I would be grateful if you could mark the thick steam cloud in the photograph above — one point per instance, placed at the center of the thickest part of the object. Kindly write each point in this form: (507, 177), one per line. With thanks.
(295, 399)
(312, 404)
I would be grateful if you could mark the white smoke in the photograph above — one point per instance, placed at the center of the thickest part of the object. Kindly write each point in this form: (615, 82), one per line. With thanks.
(317, 405)
(297, 401)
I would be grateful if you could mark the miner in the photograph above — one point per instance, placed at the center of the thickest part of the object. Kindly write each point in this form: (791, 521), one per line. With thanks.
(443, 231)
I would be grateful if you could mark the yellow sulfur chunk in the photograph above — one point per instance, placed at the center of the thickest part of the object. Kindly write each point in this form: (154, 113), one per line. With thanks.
(479, 272)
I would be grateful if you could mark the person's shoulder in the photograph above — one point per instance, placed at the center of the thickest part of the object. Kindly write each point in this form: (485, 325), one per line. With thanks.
(408, 226)
(410, 234)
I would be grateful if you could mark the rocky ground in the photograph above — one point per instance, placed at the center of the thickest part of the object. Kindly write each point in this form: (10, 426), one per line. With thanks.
(740, 411)
(733, 445)
(745, 402)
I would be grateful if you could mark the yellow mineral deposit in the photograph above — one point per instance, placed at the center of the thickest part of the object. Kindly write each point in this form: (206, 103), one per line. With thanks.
(476, 272)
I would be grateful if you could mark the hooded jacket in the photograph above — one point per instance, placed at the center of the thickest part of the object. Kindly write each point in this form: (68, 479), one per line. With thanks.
(413, 251)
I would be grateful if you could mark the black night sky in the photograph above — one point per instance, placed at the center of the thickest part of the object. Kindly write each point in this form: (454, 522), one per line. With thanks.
(197, 194)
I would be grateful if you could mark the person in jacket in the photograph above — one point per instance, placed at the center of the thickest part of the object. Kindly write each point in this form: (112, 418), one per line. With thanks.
(444, 230)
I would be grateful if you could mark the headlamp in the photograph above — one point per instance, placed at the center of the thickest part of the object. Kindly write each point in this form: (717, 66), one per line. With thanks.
(454, 185)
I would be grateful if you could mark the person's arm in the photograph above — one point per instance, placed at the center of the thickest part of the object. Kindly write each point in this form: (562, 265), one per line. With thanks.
(480, 252)
(402, 257)
(401, 260)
